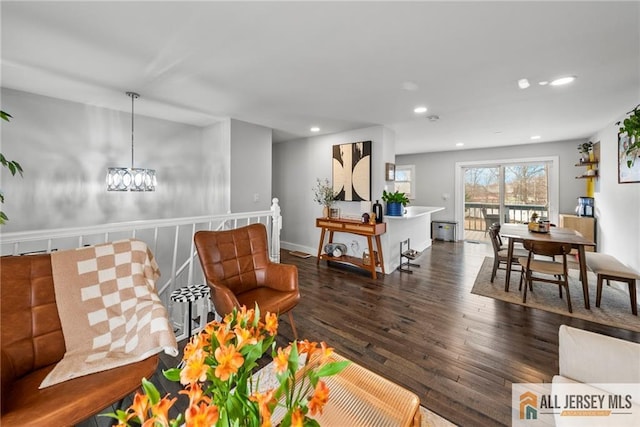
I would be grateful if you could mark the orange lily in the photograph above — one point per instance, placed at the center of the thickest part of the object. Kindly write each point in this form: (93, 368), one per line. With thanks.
(297, 418)
(319, 399)
(195, 368)
(229, 361)
(264, 400)
(202, 415)
(271, 323)
(281, 361)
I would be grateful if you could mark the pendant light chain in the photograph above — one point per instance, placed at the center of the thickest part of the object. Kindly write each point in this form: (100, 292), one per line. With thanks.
(133, 96)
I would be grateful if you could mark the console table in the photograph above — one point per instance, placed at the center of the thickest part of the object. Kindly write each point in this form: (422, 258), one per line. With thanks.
(370, 231)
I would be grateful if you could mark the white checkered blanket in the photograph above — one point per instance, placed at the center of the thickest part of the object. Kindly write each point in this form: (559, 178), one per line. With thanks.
(109, 309)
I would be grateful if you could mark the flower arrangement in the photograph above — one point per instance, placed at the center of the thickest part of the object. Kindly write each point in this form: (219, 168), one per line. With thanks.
(323, 193)
(217, 378)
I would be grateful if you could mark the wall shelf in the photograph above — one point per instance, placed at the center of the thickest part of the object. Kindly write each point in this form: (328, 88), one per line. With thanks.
(590, 165)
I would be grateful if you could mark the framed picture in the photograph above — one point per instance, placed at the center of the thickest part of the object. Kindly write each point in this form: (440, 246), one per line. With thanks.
(626, 174)
(389, 172)
(352, 171)
(334, 213)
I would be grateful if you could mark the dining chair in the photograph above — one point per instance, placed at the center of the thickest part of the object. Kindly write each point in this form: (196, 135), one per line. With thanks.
(239, 272)
(500, 251)
(549, 271)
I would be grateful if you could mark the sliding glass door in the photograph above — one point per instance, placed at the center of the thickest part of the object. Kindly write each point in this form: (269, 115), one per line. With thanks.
(505, 192)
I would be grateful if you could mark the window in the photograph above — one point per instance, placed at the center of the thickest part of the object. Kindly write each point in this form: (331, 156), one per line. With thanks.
(406, 180)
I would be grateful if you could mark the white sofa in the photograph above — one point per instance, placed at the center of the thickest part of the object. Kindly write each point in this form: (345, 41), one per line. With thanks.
(604, 365)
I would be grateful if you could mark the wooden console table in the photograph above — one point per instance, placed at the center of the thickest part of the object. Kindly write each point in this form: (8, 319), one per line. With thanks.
(370, 231)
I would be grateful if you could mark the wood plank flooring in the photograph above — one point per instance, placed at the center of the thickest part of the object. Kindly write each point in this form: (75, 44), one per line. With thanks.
(458, 352)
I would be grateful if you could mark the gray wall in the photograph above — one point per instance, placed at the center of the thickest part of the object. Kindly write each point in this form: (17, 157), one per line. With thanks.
(297, 164)
(435, 172)
(66, 147)
(250, 167)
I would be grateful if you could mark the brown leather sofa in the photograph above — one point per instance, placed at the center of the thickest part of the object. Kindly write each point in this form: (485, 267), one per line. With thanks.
(239, 272)
(32, 343)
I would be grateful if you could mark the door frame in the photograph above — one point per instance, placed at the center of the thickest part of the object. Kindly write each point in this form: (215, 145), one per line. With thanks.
(553, 183)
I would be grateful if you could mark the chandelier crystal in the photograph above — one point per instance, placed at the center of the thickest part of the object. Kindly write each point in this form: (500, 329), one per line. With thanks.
(132, 178)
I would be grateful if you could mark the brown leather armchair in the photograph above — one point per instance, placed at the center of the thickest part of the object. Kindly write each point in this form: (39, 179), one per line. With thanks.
(238, 271)
(32, 343)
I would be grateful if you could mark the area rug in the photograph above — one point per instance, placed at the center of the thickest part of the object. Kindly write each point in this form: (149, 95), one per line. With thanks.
(614, 310)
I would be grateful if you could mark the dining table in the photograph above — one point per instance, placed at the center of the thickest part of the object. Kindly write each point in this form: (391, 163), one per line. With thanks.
(520, 232)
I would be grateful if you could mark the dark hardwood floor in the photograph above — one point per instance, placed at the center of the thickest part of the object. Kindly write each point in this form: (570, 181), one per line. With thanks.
(457, 351)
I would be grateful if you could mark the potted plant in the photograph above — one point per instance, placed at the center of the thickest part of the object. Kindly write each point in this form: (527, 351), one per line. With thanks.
(585, 149)
(13, 166)
(631, 127)
(323, 195)
(395, 201)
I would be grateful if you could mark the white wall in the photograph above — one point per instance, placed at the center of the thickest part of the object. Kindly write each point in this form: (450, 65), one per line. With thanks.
(435, 172)
(66, 147)
(250, 166)
(617, 205)
(297, 164)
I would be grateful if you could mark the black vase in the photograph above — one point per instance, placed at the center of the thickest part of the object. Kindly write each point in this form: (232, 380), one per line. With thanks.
(377, 209)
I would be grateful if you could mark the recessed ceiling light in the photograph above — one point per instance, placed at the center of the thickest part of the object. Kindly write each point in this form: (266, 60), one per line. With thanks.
(543, 83)
(562, 81)
(315, 129)
(420, 109)
(523, 83)
(459, 144)
(535, 137)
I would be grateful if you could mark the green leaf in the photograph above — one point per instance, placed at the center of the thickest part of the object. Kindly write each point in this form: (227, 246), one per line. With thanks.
(332, 368)
(151, 391)
(5, 116)
(172, 374)
(310, 422)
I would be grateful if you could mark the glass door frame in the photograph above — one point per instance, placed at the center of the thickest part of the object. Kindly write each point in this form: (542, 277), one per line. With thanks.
(553, 185)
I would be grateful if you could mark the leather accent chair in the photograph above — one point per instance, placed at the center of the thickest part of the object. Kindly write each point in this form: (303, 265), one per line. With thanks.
(32, 343)
(239, 272)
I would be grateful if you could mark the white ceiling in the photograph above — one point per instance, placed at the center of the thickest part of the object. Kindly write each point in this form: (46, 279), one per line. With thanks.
(339, 65)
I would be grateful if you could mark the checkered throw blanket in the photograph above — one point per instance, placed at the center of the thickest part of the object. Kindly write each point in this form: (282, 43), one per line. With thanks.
(110, 312)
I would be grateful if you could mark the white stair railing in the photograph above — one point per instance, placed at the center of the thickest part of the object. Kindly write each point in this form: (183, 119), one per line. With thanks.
(171, 241)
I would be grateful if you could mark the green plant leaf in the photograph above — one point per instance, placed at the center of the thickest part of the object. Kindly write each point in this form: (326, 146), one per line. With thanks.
(332, 368)
(151, 391)
(5, 116)
(172, 374)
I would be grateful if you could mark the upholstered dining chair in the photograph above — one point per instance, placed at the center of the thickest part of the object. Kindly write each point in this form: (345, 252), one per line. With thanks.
(552, 271)
(500, 251)
(239, 272)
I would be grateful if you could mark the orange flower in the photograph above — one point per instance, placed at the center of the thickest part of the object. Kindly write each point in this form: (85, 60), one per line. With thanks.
(195, 368)
(229, 360)
(319, 398)
(222, 334)
(281, 361)
(264, 400)
(161, 409)
(326, 351)
(197, 342)
(140, 407)
(271, 323)
(202, 415)
(297, 418)
(245, 336)
(196, 395)
(307, 347)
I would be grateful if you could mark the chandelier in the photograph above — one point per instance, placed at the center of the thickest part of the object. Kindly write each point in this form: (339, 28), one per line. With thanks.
(131, 179)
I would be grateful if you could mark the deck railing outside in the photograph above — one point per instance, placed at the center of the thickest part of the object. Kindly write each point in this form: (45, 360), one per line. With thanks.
(171, 241)
(474, 220)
